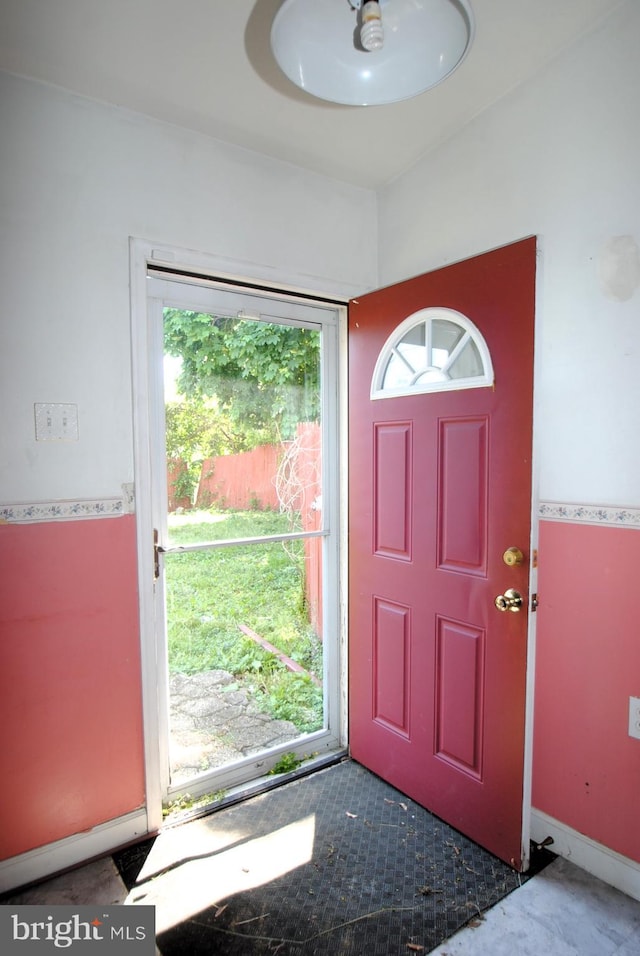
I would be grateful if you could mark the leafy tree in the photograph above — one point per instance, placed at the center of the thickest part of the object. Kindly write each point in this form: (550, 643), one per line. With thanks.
(264, 377)
(196, 429)
(242, 383)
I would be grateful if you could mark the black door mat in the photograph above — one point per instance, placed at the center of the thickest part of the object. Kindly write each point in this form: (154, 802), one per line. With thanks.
(384, 876)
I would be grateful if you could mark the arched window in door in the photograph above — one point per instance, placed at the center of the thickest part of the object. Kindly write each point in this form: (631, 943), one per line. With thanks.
(433, 350)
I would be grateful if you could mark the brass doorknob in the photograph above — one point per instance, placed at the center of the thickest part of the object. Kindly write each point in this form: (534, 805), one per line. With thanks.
(509, 601)
(513, 557)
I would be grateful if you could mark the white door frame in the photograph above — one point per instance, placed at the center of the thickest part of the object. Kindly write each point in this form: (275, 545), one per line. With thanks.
(146, 400)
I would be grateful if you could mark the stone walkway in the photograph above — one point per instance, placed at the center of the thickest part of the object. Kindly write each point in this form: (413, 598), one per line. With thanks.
(214, 722)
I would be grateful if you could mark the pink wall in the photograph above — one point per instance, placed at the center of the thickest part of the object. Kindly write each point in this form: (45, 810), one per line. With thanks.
(586, 769)
(70, 697)
(70, 706)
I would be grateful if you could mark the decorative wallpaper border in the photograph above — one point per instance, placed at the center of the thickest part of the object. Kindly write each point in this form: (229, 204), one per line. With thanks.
(113, 507)
(590, 514)
(63, 510)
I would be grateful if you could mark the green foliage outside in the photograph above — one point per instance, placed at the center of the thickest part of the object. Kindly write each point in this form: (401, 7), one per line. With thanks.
(250, 366)
(288, 762)
(185, 802)
(243, 384)
(210, 593)
(197, 430)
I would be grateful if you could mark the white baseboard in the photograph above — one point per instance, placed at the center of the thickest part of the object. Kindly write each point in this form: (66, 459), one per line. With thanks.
(599, 860)
(44, 861)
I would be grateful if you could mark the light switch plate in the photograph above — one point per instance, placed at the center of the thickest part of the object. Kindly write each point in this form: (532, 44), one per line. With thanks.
(56, 421)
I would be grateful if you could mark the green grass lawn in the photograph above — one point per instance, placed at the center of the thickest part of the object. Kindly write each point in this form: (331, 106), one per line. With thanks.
(211, 593)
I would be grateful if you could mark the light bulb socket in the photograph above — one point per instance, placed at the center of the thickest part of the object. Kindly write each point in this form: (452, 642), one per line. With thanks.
(371, 32)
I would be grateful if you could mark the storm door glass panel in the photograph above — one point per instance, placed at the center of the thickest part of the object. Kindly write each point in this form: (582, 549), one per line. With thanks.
(243, 563)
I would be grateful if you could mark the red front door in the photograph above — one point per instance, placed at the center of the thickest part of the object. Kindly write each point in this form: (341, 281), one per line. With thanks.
(440, 488)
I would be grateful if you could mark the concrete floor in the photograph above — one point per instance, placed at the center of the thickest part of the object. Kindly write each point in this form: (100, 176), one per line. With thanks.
(561, 912)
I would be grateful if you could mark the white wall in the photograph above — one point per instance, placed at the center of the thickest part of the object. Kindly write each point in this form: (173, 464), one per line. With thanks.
(559, 158)
(77, 179)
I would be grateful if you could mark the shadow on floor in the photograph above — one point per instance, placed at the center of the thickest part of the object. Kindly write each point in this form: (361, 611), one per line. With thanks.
(338, 862)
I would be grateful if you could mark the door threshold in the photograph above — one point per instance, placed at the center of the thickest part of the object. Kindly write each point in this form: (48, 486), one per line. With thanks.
(254, 788)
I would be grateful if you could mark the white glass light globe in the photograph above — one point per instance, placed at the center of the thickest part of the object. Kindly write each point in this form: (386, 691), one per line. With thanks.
(316, 44)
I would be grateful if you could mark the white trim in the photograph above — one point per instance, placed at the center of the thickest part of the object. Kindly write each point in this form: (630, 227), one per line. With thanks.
(614, 516)
(233, 270)
(527, 779)
(182, 291)
(599, 860)
(529, 714)
(145, 343)
(140, 344)
(44, 861)
(63, 510)
(343, 506)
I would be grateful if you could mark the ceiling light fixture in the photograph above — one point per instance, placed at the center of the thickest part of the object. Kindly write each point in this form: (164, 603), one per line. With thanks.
(370, 52)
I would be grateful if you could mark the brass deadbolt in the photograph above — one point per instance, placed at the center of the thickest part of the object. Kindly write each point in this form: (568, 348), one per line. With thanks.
(513, 557)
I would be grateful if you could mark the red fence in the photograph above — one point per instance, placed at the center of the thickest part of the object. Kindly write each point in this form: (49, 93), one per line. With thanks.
(241, 482)
(308, 471)
(176, 468)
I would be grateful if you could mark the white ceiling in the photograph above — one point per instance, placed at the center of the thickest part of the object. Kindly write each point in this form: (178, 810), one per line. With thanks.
(206, 65)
